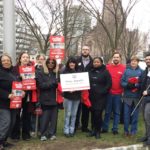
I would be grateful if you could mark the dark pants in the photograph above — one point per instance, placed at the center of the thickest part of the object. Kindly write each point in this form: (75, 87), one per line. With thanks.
(147, 119)
(49, 121)
(96, 116)
(14, 113)
(15, 133)
(85, 117)
(24, 121)
(5, 121)
(77, 124)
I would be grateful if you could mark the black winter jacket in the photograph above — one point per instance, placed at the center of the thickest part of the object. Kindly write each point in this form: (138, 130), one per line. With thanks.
(100, 83)
(145, 83)
(47, 85)
(81, 67)
(6, 79)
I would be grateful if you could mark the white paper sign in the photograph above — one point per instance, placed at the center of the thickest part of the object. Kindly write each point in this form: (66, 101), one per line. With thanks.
(75, 81)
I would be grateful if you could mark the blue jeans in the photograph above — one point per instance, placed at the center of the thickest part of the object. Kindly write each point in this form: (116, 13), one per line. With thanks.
(113, 105)
(71, 108)
(130, 119)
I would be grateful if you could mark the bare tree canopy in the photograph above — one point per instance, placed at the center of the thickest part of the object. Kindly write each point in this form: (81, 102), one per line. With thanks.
(54, 17)
(111, 19)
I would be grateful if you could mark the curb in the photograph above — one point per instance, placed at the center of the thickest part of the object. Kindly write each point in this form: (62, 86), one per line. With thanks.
(130, 147)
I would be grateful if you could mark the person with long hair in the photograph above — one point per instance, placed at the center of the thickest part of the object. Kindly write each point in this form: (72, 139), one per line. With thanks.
(24, 121)
(71, 101)
(47, 85)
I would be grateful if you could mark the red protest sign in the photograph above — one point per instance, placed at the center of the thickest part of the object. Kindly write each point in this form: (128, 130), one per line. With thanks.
(16, 101)
(57, 47)
(28, 77)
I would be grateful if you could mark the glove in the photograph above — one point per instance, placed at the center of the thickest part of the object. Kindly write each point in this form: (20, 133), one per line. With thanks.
(131, 85)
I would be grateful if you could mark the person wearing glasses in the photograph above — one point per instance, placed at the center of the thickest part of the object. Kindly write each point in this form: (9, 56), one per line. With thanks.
(85, 64)
(47, 85)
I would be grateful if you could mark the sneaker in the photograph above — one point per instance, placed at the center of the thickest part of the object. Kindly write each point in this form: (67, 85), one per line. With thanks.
(32, 134)
(67, 135)
(43, 138)
(53, 137)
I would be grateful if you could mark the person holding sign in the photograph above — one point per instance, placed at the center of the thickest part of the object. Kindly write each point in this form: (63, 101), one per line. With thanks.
(71, 100)
(7, 115)
(100, 84)
(47, 85)
(26, 72)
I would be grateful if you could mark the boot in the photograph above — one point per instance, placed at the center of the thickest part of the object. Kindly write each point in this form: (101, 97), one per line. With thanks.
(97, 135)
(91, 134)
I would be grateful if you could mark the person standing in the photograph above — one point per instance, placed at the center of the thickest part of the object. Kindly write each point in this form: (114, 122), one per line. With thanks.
(85, 63)
(71, 101)
(7, 115)
(131, 85)
(116, 70)
(23, 119)
(47, 85)
(100, 83)
(145, 91)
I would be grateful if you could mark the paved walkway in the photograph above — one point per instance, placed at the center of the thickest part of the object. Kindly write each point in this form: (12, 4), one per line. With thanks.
(130, 147)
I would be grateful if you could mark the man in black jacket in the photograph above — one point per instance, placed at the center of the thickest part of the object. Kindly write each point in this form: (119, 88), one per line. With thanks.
(145, 91)
(84, 64)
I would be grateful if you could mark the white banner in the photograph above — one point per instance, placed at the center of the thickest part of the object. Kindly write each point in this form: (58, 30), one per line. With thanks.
(75, 81)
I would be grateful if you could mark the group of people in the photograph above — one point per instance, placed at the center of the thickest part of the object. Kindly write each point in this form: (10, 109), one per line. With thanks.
(110, 85)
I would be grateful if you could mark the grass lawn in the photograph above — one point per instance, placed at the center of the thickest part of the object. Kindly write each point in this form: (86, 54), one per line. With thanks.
(80, 141)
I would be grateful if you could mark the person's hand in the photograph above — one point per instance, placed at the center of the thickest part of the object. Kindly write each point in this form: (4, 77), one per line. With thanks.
(10, 96)
(23, 94)
(145, 93)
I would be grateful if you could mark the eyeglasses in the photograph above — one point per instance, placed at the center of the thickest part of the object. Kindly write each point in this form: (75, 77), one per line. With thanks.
(51, 63)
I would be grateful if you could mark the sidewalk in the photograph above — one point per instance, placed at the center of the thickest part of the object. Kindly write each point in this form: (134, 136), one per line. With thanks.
(130, 147)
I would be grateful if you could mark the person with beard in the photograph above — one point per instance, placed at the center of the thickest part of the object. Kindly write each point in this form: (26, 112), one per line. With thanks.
(100, 83)
(145, 91)
(116, 70)
(85, 63)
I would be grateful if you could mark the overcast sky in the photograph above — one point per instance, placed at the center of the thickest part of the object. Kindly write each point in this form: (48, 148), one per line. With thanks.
(141, 15)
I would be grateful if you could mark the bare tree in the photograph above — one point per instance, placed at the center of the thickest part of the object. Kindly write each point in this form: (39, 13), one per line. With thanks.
(59, 17)
(132, 42)
(112, 19)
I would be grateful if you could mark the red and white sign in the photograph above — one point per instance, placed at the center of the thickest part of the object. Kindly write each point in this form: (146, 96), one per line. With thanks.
(57, 47)
(16, 102)
(28, 77)
(75, 81)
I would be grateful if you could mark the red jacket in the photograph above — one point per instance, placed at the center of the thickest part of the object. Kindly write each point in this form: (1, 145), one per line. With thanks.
(116, 72)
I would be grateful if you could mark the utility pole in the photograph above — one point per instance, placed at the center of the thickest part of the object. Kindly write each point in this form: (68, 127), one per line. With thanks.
(9, 29)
